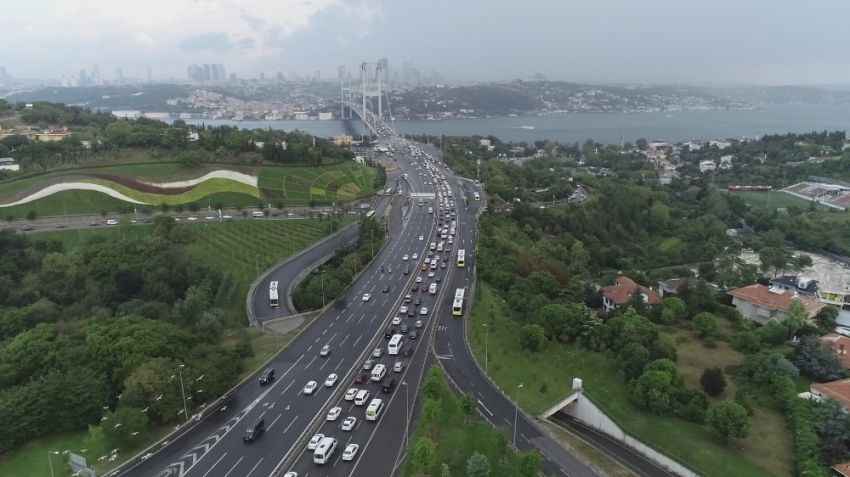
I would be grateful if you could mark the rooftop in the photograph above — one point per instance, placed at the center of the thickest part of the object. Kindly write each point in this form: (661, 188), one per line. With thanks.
(623, 287)
(841, 345)
(838, 390)
(762, 296)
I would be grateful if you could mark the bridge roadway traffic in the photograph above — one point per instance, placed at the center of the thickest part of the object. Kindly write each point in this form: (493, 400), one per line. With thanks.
(214, 447)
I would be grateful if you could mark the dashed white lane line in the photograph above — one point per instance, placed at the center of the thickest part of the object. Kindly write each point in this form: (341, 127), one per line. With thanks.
(252, 470)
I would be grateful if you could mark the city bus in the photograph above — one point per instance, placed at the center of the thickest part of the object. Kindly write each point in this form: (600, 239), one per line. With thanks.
(457, 305)
(477, 197)
(461, 258)
(371, 213)
(273, 294)
(395, 345)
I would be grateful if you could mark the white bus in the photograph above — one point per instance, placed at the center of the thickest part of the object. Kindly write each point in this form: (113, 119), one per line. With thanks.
(461, 258)
(371, 213)
(373, 412)
(396, 342)
(325, 450)
(273, 302)
(457, 305)
(477, 197)
(257, 214)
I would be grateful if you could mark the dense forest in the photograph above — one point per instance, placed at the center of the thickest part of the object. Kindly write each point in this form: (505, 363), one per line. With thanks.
(94, 336)
(107, 135)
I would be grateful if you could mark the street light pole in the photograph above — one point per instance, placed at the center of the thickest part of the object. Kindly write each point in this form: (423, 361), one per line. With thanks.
(323, 289)
(486, 354)
(516, 411)
(372, 243)
(407, 420)
(183, 390)
(50, 461)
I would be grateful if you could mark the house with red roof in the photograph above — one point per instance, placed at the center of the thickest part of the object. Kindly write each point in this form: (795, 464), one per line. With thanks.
(621, 291)
(762, 304)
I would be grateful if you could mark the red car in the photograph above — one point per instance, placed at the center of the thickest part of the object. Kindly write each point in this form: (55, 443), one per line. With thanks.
(361, 378)
(425, 288)
(446, 258)
(61, 226)
(407, 351)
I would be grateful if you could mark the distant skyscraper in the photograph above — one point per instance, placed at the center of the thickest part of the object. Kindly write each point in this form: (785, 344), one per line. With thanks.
(95, 76)
(83, 78)
(207, 73)
(262, 76)
(119, 76)
(317, 76)
(293, 75)
(232, 77)
(2, 73)
(150, 75)
(341, 71)
(385, 69)
(279, 76)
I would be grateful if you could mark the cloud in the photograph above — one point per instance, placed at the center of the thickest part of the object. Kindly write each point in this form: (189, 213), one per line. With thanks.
(256, 24)
(214, 41)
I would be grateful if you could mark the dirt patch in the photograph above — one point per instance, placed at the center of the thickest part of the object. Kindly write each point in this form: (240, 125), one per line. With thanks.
(140, 186)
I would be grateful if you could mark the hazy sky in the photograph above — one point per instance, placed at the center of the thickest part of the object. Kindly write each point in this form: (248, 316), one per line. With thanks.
(694, 41)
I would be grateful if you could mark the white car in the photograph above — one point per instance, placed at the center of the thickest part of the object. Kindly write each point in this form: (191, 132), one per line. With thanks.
(423, 310)
(210, 217)
(351, 393)
(349, 423)
(418, 279)
(310, 387)
(398, 366)
(397, 320)
(331, 380)
(326, 350)
(192, 218)
(430, 274)
(334, 413)
(421, 238)
(291, 474)
(226, 217)
(403, 309)
(314, 442)
(405, 258)
(415, 256)
(290, 214)
(350, 452)
(367, 297)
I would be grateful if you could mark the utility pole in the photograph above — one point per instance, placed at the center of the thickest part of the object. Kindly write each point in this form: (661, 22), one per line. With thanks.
(183, 389)
(516, 411)
(486, 354)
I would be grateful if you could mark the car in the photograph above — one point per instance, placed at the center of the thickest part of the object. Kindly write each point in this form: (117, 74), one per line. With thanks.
(192, 219)
(226, 217)
(411, 314)
(424, 267)
(267, 376)
(361, 378)
(430, 253)
(407, 351)
(291, 474)
(414, 334)
(438, 279)
(418, 279)
(274, 214)
(396, 320)
(177, 219)
(367, 297)
(349, 423)
(351, 393)
(326, 350)
(421, 238)
(314, 441)
(418, 324)
(446, 258)
(417, 302)
(310, 387)
(448, 249)
(398, 366)
(430, 274)
(93, 224)
(405, 258)
(403, 309)
(407, 271)
(368, 364)
(415, 256)
(405, 328)
(290, 214)
(378, 352)
(334, 413)
(443, 265)
(424, 288)
(423, 310)
(386, 289)
(350, 452)
(61, 226)
(210, 217)
(149, 221)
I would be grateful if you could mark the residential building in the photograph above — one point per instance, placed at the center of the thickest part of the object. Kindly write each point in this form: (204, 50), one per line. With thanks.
(484, 142)
(694, 145)
(838, 390)
(705, 166)
(727, 159)
(762, 304)
(343, 140)
(800, 285)
(720, 143)
(621, 292)
(52, 134)
(841, 345)
(671, 287)
(325, 116)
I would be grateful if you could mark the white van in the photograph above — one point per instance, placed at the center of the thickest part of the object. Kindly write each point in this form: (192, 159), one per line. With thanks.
(111, 222)
(362, 397)
(433, 289)
(325, 450)
(373, 412)
(434, 264)
(257, 214)
(378, 372)
(430, 210)
(440, 246)
(433, 245)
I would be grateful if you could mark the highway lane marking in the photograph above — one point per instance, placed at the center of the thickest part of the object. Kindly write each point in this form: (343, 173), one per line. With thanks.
(324, 364)
(291, 423)
(311, 362)
(270, 425)
(216, 463)
(349, 317)
(358, 338)
(340, 363)
(234, 465)
(252, 470)
(361, 319)
(287, 388)
(485, 407)
(323, 332)
(346, 337)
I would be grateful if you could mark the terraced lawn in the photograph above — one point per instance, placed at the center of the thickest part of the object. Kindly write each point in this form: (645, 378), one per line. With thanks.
(201, 191)
(300, 185)
(70, 202)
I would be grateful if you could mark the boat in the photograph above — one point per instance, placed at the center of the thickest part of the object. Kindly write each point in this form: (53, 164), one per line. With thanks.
(527, 127)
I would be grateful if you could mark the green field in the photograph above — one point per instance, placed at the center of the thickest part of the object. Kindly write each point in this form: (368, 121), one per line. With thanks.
(766, 452)
(777, 199)
(457, 441)
(325, 184)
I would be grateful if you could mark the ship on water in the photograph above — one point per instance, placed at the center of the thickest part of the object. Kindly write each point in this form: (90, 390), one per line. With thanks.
(527, 127)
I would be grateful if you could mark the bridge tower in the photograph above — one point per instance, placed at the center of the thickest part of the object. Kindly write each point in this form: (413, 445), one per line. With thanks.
(345, 93)
(370, 86)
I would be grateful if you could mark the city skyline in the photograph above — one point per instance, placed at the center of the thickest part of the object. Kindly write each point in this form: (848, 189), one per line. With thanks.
(657, 41)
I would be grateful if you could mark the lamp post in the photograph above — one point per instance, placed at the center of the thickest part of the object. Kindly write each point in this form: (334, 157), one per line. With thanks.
(50, 461)
(486, 354)
(516, 411)
(372, 243)
(323, 289)
(407, 420)
(183, 390)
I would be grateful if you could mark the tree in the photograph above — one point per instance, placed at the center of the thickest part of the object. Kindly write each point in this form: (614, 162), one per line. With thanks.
(632, 359)
(706, 324)
(444, 470)
(423, 455)
(432, 410)
(530, 463)
(502, 441)
(712, 381)
(31, 215)
(653, 391)
(469, 405)
(832, 425)
(671, 310)
(478, 465)
(826, 316)
(796, 315)
(728, 420)
(641, 144)
(817, 360)
(532, 337)
(433, 385)
(126, 427)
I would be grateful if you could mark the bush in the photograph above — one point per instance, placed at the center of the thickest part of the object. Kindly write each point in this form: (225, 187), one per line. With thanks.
(728, 420)
(532, 337)
(712, 381)
(705, 324)
(710, 342)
